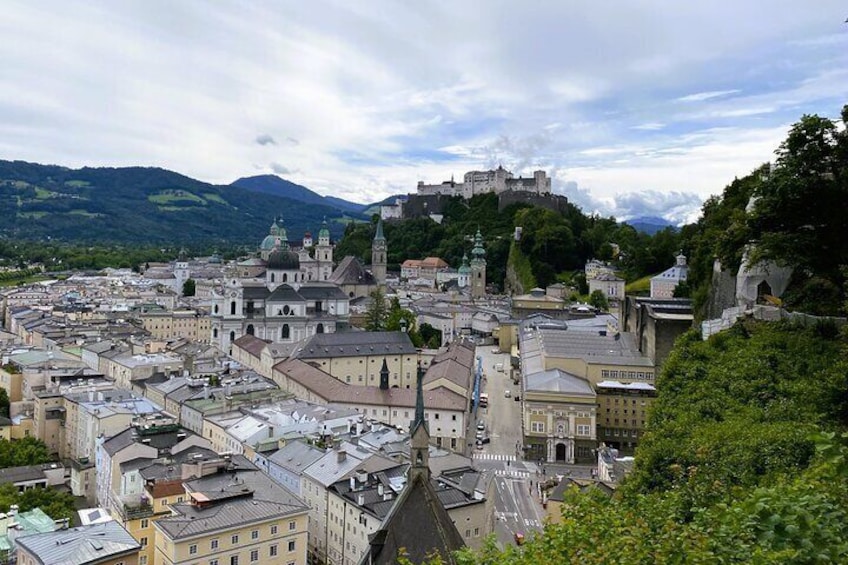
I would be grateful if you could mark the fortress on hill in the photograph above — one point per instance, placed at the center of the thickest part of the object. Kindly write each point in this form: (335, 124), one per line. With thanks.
(429, 199)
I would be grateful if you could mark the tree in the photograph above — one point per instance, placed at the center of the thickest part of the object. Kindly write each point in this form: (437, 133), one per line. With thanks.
(26, 451)
(399, 319)
(189, 287)
(4, 403)
(431, 336)
(599, 300)
(56, 504)
(377, 314)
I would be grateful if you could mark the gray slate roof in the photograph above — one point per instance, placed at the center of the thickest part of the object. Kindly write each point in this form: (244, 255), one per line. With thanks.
(239, 497)
(82, 545)
(354, 344)
(557, 380)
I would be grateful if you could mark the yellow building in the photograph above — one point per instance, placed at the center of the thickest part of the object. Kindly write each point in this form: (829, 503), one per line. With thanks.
(559, 412)
(233, 515)
(620, 376)
(178, 324)
(356, 358)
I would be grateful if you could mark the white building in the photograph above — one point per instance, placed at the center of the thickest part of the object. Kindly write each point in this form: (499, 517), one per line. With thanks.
(663, 285)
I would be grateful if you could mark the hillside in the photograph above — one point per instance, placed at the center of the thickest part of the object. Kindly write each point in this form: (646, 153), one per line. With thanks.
(142, 204)
(276, 186)
(742, 462)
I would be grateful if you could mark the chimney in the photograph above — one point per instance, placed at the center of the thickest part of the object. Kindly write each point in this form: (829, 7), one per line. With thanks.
(360, 499)
(353, 483)
(380, 489)
(340, 457)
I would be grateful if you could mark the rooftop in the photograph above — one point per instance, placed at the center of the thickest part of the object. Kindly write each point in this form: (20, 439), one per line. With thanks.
(82, 545)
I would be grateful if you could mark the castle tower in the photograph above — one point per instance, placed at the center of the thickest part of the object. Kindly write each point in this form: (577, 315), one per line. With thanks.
(379, 249)
(478, 267)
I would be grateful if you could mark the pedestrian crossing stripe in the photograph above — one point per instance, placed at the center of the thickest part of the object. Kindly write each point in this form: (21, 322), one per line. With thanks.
(512, 474)
(493, 457)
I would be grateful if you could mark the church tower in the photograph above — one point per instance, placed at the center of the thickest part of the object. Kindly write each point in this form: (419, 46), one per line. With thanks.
(464, 272)
(379, 249)
(478, 267)
(324, 253)
(419, 435)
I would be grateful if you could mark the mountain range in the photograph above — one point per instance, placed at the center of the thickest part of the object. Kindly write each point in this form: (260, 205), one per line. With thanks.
(153, 205)
(649, 224)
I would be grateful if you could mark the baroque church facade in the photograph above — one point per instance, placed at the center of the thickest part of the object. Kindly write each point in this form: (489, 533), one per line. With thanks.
(286, 294)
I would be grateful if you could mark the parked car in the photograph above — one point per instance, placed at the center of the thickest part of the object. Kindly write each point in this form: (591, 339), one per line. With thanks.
(507, 393)
(496, 350)
(481, 426)
(486, 439)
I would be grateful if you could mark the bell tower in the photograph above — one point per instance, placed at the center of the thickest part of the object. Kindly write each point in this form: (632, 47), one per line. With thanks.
(478, 267)
(379, 250)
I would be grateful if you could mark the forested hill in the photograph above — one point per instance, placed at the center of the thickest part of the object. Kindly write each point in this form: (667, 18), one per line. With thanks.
(555, 245)
(142, 205)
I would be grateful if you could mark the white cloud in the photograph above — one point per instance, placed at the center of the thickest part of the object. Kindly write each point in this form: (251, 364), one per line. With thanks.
(355, 99)
(709, 95)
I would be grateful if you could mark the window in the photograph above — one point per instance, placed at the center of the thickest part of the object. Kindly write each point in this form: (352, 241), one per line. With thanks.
(234, 539)
(254, 534)
(292, 525)
(213, 544)
(274, 530)
(476, 532)
(192, 549)
(272, 551)
(537, 427)
(234, 560)
(142, 560)
(582, 430)
(254, 555)
(291, 545)
(144, 523)
(213, 562)
(143, 541)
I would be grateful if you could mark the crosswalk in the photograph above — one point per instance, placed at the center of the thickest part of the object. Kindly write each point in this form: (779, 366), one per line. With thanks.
(493, 456)
(512, 474)
(528, 523)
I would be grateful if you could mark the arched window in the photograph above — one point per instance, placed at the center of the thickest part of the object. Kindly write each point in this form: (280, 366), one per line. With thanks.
(285, 277)
(286, 332)
(233, 308)
(250, 329)
(232, 336)
(216, 308)
(286, 309)
(272, 277)
(215, 333)
(320, 328)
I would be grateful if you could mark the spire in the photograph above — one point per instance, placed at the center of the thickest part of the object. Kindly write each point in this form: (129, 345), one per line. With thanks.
(384, 376)
(419, 435)
(419, 400)
(379, 235)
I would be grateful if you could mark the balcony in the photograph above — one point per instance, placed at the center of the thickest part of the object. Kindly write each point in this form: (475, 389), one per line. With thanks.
(137, 511)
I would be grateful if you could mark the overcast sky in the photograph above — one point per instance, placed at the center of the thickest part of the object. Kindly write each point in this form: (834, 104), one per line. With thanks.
(634, 107)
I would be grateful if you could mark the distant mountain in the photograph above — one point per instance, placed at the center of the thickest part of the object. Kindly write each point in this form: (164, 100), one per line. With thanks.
(649, 224)
(145, 204)
(276, 186)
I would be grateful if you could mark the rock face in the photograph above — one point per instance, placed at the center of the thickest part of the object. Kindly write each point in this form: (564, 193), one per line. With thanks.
(722, 293)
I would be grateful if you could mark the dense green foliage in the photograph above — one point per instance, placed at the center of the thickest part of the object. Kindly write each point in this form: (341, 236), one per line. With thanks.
(797, 219)
(56, 504)
(4, 403)
(552, 245)
(734, 467)
(138, 204)
(26, 451)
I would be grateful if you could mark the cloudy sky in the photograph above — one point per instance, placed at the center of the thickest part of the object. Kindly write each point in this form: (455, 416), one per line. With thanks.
(642, 107)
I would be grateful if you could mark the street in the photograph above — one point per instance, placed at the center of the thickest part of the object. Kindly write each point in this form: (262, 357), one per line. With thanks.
(516, 511)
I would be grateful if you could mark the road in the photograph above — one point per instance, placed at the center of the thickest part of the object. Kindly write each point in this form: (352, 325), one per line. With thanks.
(515, 509)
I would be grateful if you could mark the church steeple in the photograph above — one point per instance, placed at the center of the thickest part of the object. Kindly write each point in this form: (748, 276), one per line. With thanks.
(379, 249)
(420, 435)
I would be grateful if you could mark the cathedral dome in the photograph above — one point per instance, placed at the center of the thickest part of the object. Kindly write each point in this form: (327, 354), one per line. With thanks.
(283, 260)
(268, 243)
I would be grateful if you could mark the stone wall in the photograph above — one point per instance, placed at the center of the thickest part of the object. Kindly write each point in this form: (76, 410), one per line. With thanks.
(553, 202)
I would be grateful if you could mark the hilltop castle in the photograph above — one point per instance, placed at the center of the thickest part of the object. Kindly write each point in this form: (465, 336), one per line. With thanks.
(483, 182)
